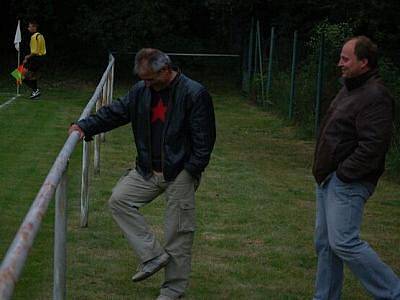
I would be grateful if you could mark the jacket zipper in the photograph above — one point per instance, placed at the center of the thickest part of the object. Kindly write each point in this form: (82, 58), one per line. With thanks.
(149, 135)
(165, 129)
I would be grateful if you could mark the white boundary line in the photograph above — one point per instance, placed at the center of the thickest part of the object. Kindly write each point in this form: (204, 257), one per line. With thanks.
(9, 101)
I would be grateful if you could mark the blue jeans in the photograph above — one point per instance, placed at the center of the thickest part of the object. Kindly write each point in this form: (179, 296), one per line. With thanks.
(339, 215)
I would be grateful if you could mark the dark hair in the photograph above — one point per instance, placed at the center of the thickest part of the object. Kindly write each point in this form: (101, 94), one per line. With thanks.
(366, 49)
(154, 58)
(34, 23)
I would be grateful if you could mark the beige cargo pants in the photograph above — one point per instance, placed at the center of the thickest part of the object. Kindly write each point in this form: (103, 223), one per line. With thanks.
(133, 192)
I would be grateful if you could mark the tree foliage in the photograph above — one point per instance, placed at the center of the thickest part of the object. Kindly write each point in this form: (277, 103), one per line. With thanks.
(81, 26)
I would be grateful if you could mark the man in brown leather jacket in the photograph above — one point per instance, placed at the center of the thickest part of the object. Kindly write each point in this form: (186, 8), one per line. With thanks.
(349, 159)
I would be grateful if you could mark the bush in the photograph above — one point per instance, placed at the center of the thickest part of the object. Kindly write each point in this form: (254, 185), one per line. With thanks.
(390, 74)
(306, 79)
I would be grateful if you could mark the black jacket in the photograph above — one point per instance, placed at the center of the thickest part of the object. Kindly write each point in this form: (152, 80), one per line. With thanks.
(189, 131)
(356, 131)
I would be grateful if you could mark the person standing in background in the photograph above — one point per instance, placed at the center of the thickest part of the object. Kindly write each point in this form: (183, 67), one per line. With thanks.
(34, 61)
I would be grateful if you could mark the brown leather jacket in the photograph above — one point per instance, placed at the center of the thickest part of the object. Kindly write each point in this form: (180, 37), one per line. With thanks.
(356, 131)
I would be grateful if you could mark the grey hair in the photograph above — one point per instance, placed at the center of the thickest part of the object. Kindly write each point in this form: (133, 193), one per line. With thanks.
(153, 59)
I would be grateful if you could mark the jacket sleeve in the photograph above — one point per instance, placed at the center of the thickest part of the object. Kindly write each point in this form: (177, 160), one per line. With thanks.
(202, 133)
(374, 129)
(108, 117)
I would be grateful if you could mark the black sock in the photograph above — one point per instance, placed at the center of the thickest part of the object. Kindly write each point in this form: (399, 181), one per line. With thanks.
(34, 85)
(29, 83)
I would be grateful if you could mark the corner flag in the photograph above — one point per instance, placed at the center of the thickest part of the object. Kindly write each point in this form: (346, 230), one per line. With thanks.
(19, 74)
(17, 38)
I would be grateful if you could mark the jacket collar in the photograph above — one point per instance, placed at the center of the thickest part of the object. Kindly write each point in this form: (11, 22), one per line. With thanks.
(171, 86)
(355, 82)
(176, 79)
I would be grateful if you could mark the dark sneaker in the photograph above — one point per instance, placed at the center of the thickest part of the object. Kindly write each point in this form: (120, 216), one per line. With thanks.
(35, 94)
(150, 267)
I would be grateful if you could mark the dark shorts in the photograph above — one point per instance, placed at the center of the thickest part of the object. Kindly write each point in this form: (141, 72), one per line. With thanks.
(34, 63)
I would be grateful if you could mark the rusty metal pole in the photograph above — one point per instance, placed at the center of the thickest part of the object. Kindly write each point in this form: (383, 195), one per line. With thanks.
(85, 185)
(60, 240)
(97, 139)
(109, 90)
(15, 258)
(111, 58)
(86, 154)
(103, 103)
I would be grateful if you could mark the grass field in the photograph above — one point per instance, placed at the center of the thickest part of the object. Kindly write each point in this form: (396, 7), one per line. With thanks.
(255, 206)
(7, 90)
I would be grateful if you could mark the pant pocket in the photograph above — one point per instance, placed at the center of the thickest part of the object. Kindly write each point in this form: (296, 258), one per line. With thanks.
(187, 217)
(126, 173)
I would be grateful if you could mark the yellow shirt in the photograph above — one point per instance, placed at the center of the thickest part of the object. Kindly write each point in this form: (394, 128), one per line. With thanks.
(38, 45)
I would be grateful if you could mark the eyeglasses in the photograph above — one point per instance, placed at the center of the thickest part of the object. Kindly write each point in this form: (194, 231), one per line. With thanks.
(152, 77)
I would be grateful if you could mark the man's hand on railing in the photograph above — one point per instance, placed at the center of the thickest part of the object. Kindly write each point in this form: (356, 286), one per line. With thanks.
(75, 127)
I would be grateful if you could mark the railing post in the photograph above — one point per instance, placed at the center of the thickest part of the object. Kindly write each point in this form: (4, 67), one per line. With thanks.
(60, 239)
(108, 89)
(97, 139)
(112, 84)
(103, 103)
(85, 185)
(111, 81)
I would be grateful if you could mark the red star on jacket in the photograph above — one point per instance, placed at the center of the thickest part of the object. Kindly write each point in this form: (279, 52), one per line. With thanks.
(158, 112)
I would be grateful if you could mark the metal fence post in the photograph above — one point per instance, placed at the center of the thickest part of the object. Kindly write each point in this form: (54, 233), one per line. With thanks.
(271, 53)
(97, 139)
(255, 65)
(111, 76)
(293, 75)
(112, 84)
(103, 103)
(250, 57)
(260, 61)
(108, 100)
(60, 239)
(319, 83)
(247, 55)
(244, 70)
(85, 185)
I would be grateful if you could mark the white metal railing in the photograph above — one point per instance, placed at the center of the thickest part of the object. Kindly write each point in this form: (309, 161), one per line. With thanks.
(56, 182)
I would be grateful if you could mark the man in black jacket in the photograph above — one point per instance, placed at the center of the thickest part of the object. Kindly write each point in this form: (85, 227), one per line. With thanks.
(349, 159)
(173, 124)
